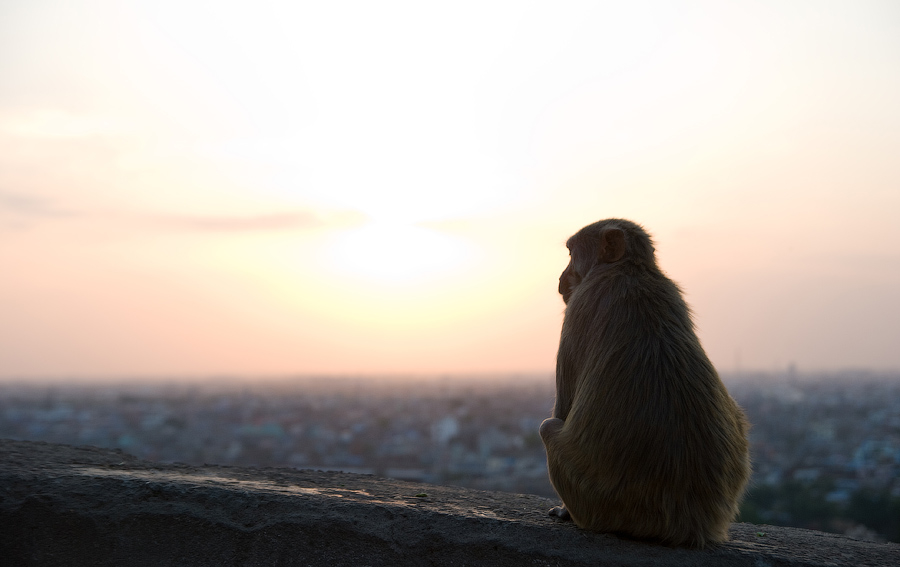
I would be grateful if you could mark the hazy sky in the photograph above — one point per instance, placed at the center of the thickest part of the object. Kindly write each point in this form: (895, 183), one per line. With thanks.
(377, 187)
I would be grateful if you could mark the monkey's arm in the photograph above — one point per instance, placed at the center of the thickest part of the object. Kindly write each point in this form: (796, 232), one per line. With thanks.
(550, 428)
(565, 385)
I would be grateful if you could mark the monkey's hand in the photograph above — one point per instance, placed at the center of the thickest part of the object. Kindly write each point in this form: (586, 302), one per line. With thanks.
(561, 512)
(550, 427)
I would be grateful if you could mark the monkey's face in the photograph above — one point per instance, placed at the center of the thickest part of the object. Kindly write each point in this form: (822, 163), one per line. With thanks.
(600, 245)
(580, 263)
(569, 280)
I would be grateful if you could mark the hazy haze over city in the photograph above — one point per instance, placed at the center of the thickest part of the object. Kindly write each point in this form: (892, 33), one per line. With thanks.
(356, 188)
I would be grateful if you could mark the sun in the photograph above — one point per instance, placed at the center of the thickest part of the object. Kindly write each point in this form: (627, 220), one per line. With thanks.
(394, 253)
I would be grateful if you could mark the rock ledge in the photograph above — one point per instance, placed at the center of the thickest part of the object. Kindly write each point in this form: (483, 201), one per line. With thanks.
(62, 505)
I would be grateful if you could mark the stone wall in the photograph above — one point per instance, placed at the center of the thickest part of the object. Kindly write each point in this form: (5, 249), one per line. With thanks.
(62, 505)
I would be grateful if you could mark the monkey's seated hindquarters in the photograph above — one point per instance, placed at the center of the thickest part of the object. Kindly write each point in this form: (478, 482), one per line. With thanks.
(645, 440)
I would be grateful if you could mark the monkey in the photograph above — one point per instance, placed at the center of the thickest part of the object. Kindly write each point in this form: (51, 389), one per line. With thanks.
(644, 440)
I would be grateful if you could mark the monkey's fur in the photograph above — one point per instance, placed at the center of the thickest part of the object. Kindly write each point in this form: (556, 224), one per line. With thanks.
(645, 440)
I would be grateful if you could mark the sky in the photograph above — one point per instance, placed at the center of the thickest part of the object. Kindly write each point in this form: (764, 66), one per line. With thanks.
(272, 188)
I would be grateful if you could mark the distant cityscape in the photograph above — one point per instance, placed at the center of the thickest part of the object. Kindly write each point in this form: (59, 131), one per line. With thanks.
(826, 449)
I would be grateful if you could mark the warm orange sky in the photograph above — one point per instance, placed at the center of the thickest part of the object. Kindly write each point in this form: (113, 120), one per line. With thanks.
(191, 188)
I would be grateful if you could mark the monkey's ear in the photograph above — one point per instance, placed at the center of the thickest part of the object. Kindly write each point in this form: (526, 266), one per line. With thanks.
(612, 245)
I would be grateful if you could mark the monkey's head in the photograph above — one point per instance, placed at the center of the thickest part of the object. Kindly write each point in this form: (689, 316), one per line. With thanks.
(602, 243)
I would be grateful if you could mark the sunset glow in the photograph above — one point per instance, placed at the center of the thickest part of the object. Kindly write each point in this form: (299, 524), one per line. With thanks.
(351, 187)
(398, 254)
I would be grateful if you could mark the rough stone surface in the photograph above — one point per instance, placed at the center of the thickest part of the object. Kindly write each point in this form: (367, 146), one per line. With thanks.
(62, 505)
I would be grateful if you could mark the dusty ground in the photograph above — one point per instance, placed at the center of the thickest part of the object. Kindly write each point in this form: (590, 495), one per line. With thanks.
(62, 505)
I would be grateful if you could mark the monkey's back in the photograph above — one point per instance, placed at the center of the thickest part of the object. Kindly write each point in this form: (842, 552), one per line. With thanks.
(659, 446)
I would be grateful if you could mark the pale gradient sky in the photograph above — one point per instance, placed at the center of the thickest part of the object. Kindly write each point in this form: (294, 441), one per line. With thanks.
(193, 188)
